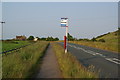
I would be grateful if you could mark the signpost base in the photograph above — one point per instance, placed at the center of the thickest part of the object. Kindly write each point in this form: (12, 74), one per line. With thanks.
(65, 44)
(65, 50)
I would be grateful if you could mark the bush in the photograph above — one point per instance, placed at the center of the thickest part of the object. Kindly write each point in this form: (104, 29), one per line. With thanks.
(93, 39)
(102, 40)
(31, 38)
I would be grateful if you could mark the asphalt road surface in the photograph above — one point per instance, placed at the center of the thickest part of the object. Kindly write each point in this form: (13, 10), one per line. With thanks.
(104, 62)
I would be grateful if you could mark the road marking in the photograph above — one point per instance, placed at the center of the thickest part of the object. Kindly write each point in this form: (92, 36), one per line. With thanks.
(100, 54)
(111, 60)
(114, 60)
(91, 52)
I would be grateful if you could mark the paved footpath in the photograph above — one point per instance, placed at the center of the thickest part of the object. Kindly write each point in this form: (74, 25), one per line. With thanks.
(49, 67)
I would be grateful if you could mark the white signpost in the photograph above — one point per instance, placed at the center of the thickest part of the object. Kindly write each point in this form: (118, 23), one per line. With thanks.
(64, 23)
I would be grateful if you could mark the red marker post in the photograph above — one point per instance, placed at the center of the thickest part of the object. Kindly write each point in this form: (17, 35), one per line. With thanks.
(64, 42)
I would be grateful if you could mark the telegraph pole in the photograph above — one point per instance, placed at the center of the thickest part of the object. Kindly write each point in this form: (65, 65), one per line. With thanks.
(2, 28)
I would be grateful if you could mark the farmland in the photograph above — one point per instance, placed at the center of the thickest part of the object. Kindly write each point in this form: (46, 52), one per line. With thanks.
(7, 45)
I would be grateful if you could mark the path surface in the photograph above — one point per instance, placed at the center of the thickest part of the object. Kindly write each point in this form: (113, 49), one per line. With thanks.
(49, 67)
(105, 61)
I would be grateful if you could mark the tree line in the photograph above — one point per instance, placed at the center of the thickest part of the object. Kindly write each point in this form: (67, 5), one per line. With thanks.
(71, 38)
(43, 38)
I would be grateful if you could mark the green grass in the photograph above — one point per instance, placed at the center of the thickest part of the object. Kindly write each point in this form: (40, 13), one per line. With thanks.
(69, 65)
(105, 46)
(7, 45)
(111, 42)
(23, 63)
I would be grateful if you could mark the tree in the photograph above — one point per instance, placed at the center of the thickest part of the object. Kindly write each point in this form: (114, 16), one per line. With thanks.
(118, 28)
(70, 37)
(93, 39)
(31, 38)
(49, 38)
(43, 39)
(56, 39)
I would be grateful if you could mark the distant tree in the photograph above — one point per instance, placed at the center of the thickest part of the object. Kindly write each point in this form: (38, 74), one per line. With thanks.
(85, 39)
(102, 40)
(93, 39)
(31, 38)
(119, 31)
(50, 39)
(43, 39)
(70, 37)
(80, 39)
(56, 39)
(118, 28)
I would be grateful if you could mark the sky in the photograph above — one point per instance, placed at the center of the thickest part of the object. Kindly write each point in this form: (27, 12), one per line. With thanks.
(59, 0)
(42, 19)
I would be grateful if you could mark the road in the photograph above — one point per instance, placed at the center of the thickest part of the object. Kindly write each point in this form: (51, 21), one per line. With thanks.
(105, 62)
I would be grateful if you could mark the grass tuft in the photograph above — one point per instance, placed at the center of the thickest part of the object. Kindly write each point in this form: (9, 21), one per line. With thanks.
(22, 64)
(69, 65)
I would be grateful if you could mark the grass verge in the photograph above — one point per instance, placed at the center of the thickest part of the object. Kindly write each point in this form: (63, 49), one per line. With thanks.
(22, 64)
(69, 65)
(112, 46)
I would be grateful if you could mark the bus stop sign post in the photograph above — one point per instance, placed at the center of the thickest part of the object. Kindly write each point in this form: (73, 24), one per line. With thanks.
(64, 23)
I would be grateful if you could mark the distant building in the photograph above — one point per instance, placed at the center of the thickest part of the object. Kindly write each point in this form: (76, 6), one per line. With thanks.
(35, 39)
(21, 38)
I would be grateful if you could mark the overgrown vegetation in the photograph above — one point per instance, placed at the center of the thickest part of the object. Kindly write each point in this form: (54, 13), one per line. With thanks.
(109, 41)
(22, 64)
(69, 65)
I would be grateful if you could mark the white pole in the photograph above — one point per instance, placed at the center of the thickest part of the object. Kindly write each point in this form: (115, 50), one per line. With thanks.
(2, 30)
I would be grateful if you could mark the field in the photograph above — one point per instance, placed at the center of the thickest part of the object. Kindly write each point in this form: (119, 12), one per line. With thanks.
(111, 42)
(7, 45)
(69, 65)
(22, 64)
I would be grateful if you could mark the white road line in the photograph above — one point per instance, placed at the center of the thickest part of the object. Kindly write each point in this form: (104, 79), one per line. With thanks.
(100, 54)
(90, 52)
(110, 59)
(94, 53)
(116, 59)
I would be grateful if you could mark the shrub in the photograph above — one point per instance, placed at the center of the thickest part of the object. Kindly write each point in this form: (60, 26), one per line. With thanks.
(102, 40)
(93, 39)
(31, 38)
